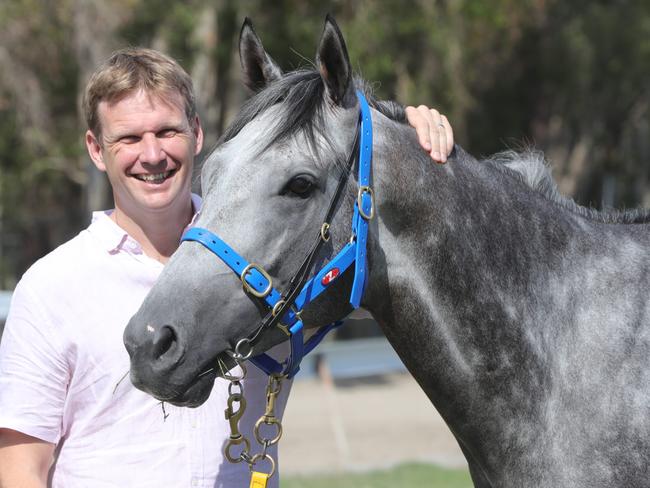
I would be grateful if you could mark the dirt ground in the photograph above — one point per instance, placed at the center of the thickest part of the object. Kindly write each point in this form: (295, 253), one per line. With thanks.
(351, 425)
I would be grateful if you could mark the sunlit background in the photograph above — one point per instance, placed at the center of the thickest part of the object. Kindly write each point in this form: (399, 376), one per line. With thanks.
(571, 78)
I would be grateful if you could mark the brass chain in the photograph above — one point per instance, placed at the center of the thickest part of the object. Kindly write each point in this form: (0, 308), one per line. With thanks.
(236, 397)
(233, 415)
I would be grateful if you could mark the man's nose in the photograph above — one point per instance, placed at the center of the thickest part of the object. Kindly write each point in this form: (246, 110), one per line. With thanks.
(151, 150)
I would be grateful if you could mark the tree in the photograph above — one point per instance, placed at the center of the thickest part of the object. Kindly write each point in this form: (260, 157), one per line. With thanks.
(569, 77)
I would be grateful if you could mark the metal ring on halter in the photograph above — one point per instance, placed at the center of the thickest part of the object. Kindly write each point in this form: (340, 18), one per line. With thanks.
(280, 304)
(325, 232)
(247, 286)
(277, 307)
(237, 355)
(362, 212)
(243, 454)
(257, 457)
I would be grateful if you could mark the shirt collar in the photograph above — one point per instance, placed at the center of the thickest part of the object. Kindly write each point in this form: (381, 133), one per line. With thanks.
(116, 240)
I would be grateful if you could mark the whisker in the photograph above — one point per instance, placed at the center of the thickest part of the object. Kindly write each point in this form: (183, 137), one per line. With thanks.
(222, 366)
(207, 371)
(120, 381)
(165, 414)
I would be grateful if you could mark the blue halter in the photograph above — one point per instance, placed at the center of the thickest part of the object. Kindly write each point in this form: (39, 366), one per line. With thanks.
(259, 284)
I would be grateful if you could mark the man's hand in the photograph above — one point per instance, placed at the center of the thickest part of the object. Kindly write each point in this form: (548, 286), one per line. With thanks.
(434, 132)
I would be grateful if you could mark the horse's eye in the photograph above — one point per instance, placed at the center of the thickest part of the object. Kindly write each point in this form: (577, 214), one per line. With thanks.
(300, 186)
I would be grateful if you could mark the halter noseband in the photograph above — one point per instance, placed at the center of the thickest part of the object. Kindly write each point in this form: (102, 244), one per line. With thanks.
(285, 309)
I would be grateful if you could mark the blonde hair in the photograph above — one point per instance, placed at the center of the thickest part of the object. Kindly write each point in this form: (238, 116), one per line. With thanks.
(132, 69)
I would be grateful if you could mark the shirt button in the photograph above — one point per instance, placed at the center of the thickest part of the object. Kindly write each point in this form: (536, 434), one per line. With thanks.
(134, 247)
(195, 482)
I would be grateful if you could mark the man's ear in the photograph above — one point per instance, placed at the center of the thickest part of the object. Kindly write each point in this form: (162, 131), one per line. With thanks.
(334, 64)
(95, 150)
(258, 67)
(198, 134)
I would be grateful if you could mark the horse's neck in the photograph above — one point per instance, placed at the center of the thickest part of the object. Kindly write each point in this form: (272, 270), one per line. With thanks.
(450, 260)
(497, 300)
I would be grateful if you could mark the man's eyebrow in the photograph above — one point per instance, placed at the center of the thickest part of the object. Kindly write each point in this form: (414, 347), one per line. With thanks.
(174, 125)
(177, 126)
(119, 135)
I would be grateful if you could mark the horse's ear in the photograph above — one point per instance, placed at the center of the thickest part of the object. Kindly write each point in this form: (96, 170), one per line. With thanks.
(334, 64)
(258, 67)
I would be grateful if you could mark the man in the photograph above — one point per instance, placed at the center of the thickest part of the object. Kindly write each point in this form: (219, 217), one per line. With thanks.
(65, 406)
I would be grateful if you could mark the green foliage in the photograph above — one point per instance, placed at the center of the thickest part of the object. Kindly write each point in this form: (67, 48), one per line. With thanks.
(571, 77)
(171, 22)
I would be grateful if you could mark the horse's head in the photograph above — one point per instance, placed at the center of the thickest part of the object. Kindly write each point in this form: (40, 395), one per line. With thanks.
(266, 189)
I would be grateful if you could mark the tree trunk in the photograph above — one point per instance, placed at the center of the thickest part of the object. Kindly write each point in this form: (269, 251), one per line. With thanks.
(95, 23)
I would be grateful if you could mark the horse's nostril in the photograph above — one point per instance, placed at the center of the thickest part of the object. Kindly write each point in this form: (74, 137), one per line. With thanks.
(163, 340)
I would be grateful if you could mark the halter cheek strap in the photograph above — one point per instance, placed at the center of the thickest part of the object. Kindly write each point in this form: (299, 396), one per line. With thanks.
(285, 310)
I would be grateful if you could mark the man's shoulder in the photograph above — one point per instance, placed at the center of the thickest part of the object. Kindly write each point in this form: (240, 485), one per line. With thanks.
(73, 256)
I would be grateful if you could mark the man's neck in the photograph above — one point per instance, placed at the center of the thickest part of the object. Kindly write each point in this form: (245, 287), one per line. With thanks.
(158, 233)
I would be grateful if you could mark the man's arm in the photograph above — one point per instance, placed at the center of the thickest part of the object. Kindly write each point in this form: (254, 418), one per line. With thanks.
(31, 401)
(24, 460)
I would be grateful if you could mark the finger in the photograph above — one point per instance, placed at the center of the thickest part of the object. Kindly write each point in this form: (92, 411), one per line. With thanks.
(421, 126)
(430, 115)
(449, 133)
(439, 135)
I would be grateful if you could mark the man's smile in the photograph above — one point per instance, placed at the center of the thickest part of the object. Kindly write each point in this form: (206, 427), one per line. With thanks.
(154, 177)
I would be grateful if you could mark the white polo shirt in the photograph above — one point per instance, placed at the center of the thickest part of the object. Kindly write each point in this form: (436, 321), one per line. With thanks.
(63, 375)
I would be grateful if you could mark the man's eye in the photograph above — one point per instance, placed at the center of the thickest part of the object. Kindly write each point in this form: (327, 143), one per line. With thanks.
(167, 133)
(129, 139)
(300, 186)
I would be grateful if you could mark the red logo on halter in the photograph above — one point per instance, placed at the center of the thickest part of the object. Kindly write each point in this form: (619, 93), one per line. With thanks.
(330, 276)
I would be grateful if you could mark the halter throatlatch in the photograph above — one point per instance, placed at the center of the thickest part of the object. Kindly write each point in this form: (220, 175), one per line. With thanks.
(285, 309)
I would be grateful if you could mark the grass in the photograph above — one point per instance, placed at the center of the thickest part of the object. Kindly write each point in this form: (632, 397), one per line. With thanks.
(410, 475)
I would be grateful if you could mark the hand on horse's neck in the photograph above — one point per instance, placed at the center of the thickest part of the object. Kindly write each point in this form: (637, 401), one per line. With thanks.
(157, 233)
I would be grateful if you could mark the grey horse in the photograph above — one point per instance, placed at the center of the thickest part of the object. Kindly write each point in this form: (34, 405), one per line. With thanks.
(524, 317)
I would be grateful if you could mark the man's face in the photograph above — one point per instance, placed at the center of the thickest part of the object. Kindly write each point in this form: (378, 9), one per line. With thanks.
(147, 148)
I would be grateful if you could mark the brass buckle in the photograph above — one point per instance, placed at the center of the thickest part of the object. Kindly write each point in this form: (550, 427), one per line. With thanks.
(368, 190)
(248, 288)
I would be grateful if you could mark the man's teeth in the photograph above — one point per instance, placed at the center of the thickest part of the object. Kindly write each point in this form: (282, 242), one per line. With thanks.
(154, 178)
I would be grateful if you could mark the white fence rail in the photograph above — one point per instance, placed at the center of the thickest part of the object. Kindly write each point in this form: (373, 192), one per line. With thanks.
(5, 299)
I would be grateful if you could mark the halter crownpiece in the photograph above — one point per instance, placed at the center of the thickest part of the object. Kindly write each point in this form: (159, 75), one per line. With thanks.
(285, 309)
